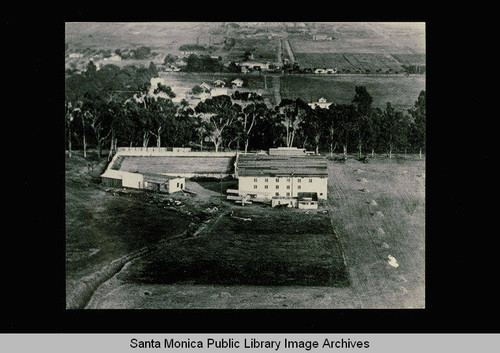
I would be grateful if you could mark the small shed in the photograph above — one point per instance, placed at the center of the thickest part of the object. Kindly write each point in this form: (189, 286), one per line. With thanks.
(307, 200)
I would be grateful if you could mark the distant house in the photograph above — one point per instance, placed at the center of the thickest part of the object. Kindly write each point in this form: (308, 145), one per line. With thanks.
(205, 86)
(322, 103)
(219, 83)
(237, 83)
(252, 65)
(320, 71)
(115, 57)
(75, 55)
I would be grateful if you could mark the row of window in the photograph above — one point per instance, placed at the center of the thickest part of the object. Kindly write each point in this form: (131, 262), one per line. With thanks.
(277, 187)
(266, 180)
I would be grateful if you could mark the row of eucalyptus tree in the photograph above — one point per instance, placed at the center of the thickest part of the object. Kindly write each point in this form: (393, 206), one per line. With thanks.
(113, 106)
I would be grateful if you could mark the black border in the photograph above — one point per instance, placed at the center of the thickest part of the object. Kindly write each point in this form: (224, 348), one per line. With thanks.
(34, 270)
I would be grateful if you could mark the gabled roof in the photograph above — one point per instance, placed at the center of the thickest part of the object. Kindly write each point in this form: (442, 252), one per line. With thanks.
(280, 165)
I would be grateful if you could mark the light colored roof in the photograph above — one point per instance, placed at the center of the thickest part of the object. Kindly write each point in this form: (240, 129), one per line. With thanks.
(279, 165)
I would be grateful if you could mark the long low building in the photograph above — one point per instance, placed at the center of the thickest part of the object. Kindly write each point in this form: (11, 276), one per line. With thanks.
(148, 181)
(282, 175)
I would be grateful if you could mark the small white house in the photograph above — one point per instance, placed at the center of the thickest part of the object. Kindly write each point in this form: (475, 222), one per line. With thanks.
(219, 83)
(237, 83)
(322, 103)
(205, 86)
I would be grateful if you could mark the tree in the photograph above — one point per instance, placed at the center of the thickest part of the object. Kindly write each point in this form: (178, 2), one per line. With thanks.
(331, 126)
(233, 67)
(417, 133)
(152, 69)
(394, 128)
(291, 115)
(373, 126)
(91, 69)
(220, 113)
(162, 113)
(170, 59)
(251, 115)
(99, 119)
(363, 103)
(345, 119)
(314, 126)
(71, 109)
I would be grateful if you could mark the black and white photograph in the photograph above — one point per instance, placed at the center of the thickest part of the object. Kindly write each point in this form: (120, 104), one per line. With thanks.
(245, 165)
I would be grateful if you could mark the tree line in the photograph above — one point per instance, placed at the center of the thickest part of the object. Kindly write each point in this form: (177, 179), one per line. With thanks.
(113, 106)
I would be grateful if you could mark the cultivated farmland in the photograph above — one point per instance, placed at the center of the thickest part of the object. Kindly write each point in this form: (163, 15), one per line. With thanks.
(349, 62)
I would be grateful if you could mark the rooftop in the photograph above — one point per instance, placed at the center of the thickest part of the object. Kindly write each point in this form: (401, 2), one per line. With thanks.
(281, 165)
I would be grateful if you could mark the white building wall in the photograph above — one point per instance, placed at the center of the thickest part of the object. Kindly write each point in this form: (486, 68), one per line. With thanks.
(284, 186)
(176, 184)
(132, 180)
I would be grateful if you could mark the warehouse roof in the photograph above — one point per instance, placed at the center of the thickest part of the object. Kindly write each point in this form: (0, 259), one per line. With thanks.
(260, 165)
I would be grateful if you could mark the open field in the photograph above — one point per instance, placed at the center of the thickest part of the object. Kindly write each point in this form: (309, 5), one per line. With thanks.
(276, 247)
(365, 37)
(263, 49)
(164, 36)
(377, 210)
(401, 91)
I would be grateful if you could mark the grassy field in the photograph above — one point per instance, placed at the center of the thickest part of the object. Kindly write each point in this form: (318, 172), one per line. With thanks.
(361, 37)
(276, 247)
(101, 226)
(401, 91)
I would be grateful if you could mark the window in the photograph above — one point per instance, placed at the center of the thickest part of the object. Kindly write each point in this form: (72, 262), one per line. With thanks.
(287, 194)
(277, 186)
(266, 180)
(299, 187)
(277, 194)
(288, 187)
(299, 180)
(177, 184)
(266, 186)
(288, 180)
(310, 180)
(255, 186)
(277, 180)
(320, 194)
(255, 179)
